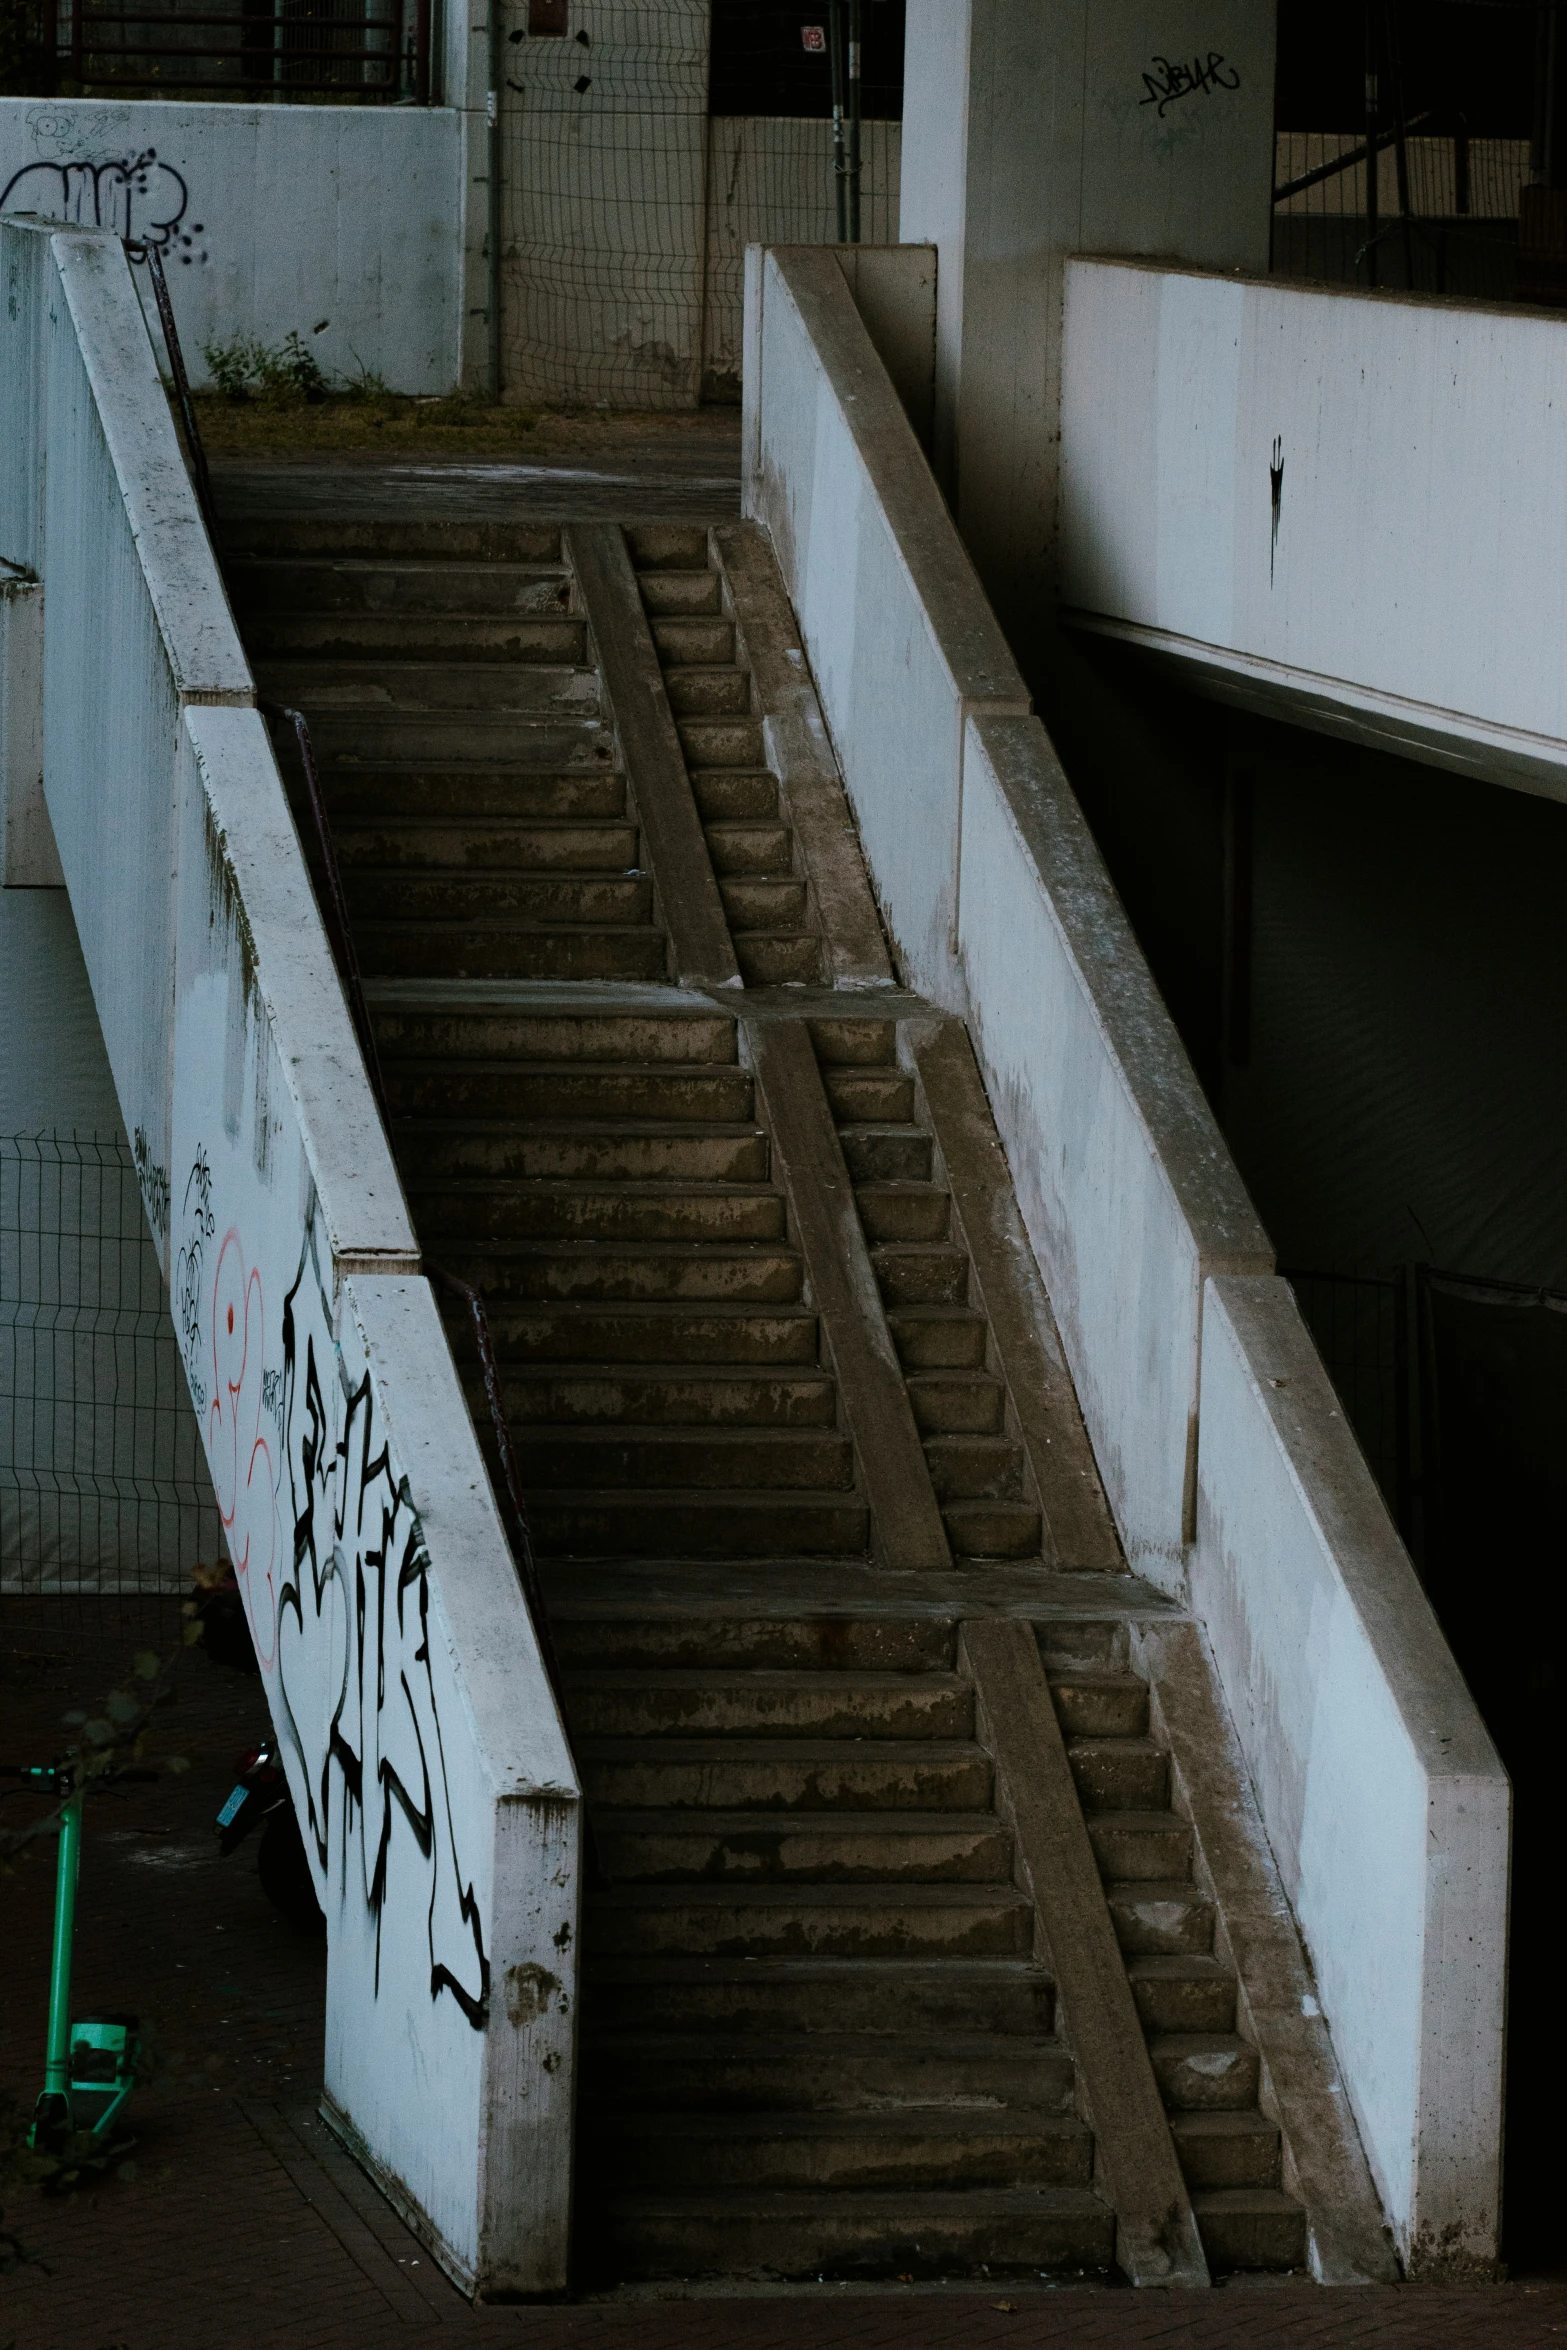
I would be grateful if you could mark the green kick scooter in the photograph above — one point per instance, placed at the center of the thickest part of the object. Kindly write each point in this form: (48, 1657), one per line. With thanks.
(90, 2060)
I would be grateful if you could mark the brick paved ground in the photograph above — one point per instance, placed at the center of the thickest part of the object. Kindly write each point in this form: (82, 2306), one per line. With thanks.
(243, 2228)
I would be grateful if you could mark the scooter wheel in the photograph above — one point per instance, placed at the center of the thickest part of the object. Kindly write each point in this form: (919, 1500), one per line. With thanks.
(284, 1872)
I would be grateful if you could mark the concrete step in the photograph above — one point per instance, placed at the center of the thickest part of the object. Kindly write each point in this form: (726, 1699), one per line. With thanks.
(1226, 2149)
(484, 799)
(650, 1039)
(870, 1097)
(838, 2150)
(750, 1460)
(618, 1212)
(822, 1921)
(1253, 2228)
(287, 585)
(509, 950)
(773, 959)
(546, 1090)
(540, 900)
(819, 1998)
(656, 1335)
(598, 1150)
(735, 794)
(770, 1704)
(1100, 1705)
(586, 1633)
(676, 594)
(957, 1404)
(738, 849)
(376, 737)
(655, 1273)
(463, 691)
(1205, 2072)
(939, 1338)
(1120, 1774)
(998, 2232)
(976, 1468)
(722, 742)
(1172, 1919)
(592, 1524)
(992, 1529)
(703, 642)
(489, 847)
(428, 539)
(902, 1212)
(886, 1153)
(763, 905)
(669, 546)
(764, 1777)
(1187, 1993)
(821, 2072)
(668, 1396)
(924, 1275)
(708, 692)
(1139, 1846)
(839, 1847)
(411, 635)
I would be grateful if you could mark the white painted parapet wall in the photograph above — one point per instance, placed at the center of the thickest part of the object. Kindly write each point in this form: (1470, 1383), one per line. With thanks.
(1233, 1477)
(1345, 509)
(425, 1755)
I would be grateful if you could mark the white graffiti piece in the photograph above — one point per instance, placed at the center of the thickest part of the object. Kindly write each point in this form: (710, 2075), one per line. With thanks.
(352, 1634)
(137, 196)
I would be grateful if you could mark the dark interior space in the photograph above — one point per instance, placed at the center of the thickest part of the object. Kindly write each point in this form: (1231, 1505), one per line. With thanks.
(772, 59)
(1366, 961)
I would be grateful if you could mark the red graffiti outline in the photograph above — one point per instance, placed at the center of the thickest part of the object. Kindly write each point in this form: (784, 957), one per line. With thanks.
(243, 1425)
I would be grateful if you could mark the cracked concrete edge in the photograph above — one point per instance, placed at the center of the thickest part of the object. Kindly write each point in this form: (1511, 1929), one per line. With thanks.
(801, 756)
(1136, 2165)
(1078, 1529)
(1325, 2164)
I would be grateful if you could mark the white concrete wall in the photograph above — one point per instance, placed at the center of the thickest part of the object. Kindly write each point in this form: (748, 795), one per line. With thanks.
(1374, 1776)
(1039, 128)
(1414, 592)
(425, 1755)
(343, 224)
(1385, 1803)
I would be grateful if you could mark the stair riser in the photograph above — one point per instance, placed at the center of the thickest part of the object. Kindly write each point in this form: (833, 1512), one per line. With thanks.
(776, 1783)
(674, 594)
(374, 740)
(870, 1096)
(844, 2163)
(992, 1529)
(844, 2243)
(1252, 2240)
(586, 1038)
(719, 1096)
(454, 951)
(760, 1341)
(826, 2081)
(469, 692)
(735, 795)
(739, 1461)
(467, 590)
(584, 1527)
(708, 693)
(603, 901)
(1183, 2003)
(718, 1708)
(1157, 1926)
(704, 641)
(1108, 1710)
(899, 2000)
(673, 1402)
(878, 1930)
(761, 1851)
(416, 636)
(467, 797)
(1218, 2078)
(1111, 1776)
(902, 1157)
(733, 1642)
(764, 1277)
(1238, 2156)
(381, 540)
(480, 853)
(780, 962)
(976, 1470)
(739, 849)
(598, 1215)
(918, 1278)
(722, 742)
(1142, 1853)
(890, 1216)
(582, 1156)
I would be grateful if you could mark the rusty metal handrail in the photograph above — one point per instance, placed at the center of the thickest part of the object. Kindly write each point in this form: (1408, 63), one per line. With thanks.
(341, 938)
(149, 254)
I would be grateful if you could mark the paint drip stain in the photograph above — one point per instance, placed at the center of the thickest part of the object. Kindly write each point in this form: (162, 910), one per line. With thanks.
(1276, 493)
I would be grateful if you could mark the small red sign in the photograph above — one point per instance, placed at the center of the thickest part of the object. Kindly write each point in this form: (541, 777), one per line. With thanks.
(813, 37)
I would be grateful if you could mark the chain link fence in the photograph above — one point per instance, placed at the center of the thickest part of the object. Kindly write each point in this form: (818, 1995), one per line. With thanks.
(103, 1484)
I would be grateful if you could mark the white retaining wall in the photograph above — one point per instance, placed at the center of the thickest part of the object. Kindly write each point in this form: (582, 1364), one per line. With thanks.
(343, 224)
(1372, 1770)
(1409, 586)
(424, 1752)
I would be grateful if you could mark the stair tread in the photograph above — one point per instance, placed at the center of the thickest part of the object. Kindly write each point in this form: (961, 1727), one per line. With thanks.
(830, 2122)
(870, 1892)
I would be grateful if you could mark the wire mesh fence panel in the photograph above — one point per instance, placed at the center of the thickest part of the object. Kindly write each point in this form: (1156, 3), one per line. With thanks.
(1463, 196)
(103, 1484)
(603, 140)
(1354, 1319)
(770, 180)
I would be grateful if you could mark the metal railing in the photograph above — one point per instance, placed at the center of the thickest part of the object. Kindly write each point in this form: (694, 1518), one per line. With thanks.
(376, 51)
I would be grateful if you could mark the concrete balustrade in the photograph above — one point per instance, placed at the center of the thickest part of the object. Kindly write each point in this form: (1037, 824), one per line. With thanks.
(427, 1763)
(1376, 1782)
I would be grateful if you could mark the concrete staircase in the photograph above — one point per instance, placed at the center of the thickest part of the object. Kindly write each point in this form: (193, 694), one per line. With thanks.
(830, 1570)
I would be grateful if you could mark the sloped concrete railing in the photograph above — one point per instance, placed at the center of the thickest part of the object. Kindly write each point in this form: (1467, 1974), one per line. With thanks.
(1234, 1479)
(426, 1759)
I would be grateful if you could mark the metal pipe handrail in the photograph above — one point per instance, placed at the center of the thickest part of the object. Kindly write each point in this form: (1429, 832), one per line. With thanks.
(149, 255)
(1348, 161)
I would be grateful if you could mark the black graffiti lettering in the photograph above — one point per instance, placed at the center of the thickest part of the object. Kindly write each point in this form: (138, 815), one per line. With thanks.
(1168, 79)
(138, 196)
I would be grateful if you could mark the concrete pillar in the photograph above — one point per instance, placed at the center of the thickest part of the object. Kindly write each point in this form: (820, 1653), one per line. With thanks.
(1038, 128)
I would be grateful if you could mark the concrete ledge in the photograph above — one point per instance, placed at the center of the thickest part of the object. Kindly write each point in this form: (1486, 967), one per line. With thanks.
(1385, 1804)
